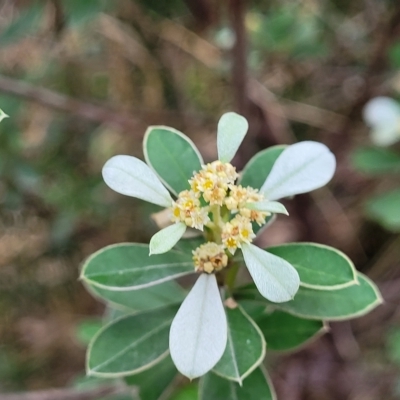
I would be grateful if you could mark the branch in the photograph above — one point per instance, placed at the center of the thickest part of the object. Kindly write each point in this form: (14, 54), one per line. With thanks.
(67, 104)
(237, 10)
(65, 394)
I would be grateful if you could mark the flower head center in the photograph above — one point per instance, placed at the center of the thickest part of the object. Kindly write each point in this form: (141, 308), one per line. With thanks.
(210, 257)
(213, 189)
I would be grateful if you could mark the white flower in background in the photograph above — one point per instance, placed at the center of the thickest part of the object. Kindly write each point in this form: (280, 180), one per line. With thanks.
(382, 114)
(224, 210)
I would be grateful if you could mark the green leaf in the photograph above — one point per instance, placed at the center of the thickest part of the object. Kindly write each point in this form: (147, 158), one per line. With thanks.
(128, 266)
(385, 209)
(87, 329)
(394, 55)
(161, 295)
(164, 371)
(283, 331)
(257, 386)
(130, 344)
(245, 349)
(331, 305)
(27, 23)
(254, 309)
(258, 168)
(376, 160)
(190, 244)
(79, 11)
(188, 392)
(172, 155)
(256, 171)
(319, 266)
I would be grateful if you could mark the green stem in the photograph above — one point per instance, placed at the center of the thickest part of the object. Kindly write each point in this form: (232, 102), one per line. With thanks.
(230, 276)
(217, 220)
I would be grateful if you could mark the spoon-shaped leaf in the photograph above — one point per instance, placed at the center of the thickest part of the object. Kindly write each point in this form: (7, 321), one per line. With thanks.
(300, 168)
(331, 305)
(132, 177)
(199, 330)
(130, 344)
(274, 277)
(172, 155)
(269, 206)
(232, 129)
(284, 332)
(149, 298)
(319, 266)
(245, 349)
(127, 266)
(167, 238)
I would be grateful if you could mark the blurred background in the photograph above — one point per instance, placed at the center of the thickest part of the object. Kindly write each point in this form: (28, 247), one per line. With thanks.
(82, 79)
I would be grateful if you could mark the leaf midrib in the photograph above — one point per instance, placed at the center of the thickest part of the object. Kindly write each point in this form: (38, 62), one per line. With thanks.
(283, 181)
(142, 181)
(140, 269)
(133, 344)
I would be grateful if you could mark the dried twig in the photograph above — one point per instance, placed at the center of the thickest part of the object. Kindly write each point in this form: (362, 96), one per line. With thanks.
(64, 103)
(237, 10)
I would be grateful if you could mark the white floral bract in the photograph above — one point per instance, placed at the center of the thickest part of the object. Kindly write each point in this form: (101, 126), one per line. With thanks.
(300, 168)
(167, 238)
(382, 114)
(232, 129)
(198, 333)
(273, 276)
(132, 177)
(2, 115)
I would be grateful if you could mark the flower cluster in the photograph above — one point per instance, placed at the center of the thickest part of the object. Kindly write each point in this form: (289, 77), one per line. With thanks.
(213, 192)
(187, 208)
(214, 200)
(210, 257)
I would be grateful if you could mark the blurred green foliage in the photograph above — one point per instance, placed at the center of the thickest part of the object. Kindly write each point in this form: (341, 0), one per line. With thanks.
(150, 60)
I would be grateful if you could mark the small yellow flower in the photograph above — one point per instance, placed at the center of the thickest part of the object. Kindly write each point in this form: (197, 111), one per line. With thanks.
(236, 232)
(254, 215)
(213, 180)
(210, 257)
(187, 209)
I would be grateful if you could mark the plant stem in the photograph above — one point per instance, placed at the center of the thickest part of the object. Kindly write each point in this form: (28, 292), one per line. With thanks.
(217, 220)
(230, 277)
